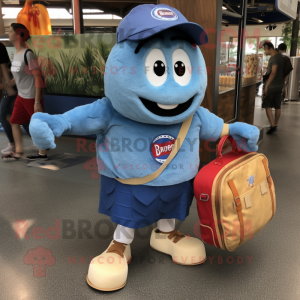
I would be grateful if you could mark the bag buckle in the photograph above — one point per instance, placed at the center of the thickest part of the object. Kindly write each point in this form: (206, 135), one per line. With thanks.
(204, 197)
(239, 202)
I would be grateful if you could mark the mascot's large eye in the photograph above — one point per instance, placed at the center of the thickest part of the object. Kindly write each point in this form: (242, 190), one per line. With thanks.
(182, 68)
(159, 68)
(179, 68)
(156, 67)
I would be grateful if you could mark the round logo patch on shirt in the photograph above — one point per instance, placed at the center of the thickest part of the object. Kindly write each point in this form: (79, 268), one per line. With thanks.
(161, 147)
(164, 14)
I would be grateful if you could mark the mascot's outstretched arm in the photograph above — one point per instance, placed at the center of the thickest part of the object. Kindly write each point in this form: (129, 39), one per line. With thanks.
(212, 127)
(82, 120)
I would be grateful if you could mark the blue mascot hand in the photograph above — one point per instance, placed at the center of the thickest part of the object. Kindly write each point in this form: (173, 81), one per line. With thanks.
(246, 136)
(41, 134)
(44, 127)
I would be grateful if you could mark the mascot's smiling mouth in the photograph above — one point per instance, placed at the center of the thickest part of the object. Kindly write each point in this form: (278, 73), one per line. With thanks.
(163, 110)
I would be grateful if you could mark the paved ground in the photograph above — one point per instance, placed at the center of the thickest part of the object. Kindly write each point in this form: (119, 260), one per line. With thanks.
(268, 267)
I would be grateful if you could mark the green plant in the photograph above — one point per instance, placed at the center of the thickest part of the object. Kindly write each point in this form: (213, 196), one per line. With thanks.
(87, 59)
(78, 71)
(104, 50)
(287, 29)
(68, 78)
(80, 75)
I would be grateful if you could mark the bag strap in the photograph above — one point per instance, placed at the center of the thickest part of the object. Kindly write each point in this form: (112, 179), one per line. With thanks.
(178, 143)
(238, 206)
(270, 181)
(25, 56)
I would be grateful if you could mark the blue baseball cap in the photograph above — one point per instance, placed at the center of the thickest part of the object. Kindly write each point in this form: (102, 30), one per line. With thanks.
(147, 20)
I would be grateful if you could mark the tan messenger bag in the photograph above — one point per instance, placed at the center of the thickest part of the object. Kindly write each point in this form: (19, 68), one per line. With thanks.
(235, 197)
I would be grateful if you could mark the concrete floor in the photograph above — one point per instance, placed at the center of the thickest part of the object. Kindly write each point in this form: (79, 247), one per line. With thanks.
(267, 267)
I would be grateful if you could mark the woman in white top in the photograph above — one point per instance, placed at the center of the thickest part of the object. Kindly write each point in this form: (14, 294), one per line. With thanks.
(27, 78)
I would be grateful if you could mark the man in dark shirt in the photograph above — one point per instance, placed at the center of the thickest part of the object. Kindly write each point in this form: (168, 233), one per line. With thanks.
(273, 86)
(282, 49)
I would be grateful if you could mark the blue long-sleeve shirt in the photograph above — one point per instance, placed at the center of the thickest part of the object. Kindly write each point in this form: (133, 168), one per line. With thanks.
(129, 149)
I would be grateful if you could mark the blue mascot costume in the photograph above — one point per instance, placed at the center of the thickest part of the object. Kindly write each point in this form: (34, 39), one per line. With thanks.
(152, 120)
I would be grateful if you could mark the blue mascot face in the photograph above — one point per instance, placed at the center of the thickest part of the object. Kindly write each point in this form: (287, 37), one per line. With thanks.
(161, 80)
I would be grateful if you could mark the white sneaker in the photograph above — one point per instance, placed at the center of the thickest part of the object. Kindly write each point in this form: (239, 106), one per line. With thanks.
(10, 148)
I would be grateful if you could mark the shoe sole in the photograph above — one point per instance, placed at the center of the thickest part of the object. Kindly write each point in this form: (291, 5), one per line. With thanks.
(269, 133)
(41, 159)
(106, 290)
(11, 159)
(177, 263)
(6, 153)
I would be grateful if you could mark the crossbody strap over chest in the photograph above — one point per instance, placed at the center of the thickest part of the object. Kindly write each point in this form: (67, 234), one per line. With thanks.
(178, 143)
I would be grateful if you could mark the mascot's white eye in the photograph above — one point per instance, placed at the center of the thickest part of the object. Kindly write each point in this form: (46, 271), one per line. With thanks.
(156, 67)
(182, 68)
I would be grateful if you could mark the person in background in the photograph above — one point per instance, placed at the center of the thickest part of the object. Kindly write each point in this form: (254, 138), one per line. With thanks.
(9, 95)
(27, 79)
(273, 82)
(282, 49)
(277, 50)
(261, 46)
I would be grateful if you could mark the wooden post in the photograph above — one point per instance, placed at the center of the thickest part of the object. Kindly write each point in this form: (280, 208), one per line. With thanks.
(78, 26)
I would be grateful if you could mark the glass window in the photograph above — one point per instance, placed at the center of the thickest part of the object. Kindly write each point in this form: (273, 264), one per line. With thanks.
(251, 46)
(228, 59)
(233, 47)
(279, 41)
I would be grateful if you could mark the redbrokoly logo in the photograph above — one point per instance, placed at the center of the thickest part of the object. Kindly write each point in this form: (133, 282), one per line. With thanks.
(39, 258)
